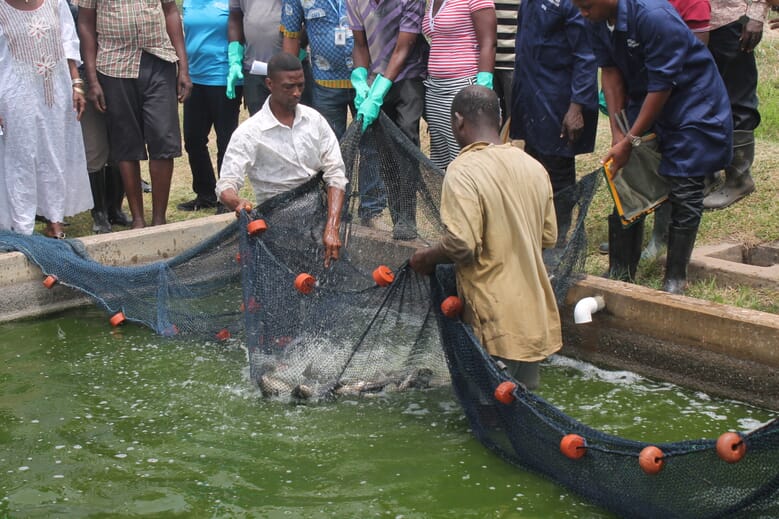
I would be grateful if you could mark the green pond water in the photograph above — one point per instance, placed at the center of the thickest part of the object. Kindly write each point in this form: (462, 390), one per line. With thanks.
(96, 422)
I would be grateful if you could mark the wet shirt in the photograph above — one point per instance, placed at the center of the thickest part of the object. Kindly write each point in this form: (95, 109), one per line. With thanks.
(278, 158)
(205, 37)
(655, 51)
(382, 22)
(261, 29)
(555, 66)
(329, 37)
(497, 206)
(127, 28)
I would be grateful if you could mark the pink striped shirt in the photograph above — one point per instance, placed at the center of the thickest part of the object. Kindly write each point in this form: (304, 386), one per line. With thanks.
(454, 50)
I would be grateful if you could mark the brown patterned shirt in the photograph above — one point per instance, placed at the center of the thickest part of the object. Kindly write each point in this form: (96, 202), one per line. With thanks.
(126, 28)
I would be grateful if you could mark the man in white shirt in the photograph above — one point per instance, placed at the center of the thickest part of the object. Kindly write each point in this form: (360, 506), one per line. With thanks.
(284, 145)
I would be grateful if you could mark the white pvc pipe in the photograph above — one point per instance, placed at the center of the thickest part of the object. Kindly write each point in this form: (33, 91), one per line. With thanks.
(582, 312)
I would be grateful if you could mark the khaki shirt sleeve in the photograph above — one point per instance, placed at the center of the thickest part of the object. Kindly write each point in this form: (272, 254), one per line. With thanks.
(549, 238)
(462, 215)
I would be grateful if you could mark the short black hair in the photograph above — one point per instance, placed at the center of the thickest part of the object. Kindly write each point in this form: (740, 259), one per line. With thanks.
(477, 105)
(283, 62)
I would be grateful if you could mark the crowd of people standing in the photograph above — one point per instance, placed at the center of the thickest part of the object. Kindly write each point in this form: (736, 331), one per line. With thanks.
(101, 94)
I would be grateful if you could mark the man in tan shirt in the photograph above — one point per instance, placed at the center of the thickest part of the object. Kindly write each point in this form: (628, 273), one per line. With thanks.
(497, 207)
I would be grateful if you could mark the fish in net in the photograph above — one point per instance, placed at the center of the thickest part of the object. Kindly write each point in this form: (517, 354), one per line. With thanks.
(369, 324)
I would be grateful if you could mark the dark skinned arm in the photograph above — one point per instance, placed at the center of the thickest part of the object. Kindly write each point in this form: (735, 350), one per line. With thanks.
(423, 261)
(486, 26)
(650, 110)
(176, 35)
(403, 46)
(332, 236)
(87, 33)
(235, 26)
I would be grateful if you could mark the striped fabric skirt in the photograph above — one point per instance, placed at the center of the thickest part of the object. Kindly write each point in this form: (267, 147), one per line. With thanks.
(439, 94)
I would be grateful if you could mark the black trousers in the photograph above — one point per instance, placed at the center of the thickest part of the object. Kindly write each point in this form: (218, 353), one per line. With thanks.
(207, 107)
(739, 72)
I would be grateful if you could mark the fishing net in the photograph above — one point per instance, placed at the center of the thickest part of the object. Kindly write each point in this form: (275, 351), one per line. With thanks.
(368, 324)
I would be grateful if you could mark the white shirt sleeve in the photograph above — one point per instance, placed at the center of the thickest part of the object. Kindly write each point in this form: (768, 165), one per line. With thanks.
(334, 171)
(238, 158)
(70, 41)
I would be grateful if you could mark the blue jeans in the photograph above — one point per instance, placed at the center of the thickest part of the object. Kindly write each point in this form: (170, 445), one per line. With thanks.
(333, 103)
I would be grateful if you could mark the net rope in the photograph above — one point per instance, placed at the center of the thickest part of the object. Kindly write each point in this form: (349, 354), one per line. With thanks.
(352, 336)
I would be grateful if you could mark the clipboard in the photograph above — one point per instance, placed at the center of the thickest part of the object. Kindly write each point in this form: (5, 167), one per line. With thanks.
(637, 189)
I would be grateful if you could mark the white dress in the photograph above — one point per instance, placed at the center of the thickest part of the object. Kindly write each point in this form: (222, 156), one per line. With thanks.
(42, 165)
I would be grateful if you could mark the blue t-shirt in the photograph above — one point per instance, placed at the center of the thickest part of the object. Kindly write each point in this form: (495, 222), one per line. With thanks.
(325, 23)
(205, 36)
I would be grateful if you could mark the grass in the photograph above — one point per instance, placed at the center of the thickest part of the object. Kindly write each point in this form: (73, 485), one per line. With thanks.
(752, 221)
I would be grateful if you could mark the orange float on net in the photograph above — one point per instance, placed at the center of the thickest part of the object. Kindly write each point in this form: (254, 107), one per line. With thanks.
(256, 227)
(504, 393)
(573, 446)
(50, 281)
(253, 305)
(383, 276)
(651, 459)
(452, 307)
(731, 447)
(237, 257)
(305, 283)
(170, 331)
(223, 334)
(117, 319)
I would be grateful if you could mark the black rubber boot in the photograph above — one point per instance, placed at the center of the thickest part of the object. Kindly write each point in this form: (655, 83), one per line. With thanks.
(659, 239)
(115, 196)
(564, 203)
(681, 241)
(738, 178)
(100, 224)
(624, 248)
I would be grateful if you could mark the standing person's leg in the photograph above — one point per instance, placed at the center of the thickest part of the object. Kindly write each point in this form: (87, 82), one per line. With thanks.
(562, 174)
(739, 73)
(161, 128)
(254, 92)
(686, 199)
(126, 138)
(503, 79)
(333, 104)
(405, 105)
(439, 94)
(225, 114)
(198, 119)
(93, 128)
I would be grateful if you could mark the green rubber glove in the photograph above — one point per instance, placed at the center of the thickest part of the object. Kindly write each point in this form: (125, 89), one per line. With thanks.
(235, 70)
(370, 108)
(602, 104)
(302, 55)
(484, 79)
(360, 85)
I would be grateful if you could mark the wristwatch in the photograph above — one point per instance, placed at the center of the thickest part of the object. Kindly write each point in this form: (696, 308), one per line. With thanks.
(634, 141)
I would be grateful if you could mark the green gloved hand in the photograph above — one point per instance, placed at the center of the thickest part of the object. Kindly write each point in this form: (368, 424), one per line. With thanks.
(360, 86)
(235, 70)
(484, 79)
(370, 108)
(302, 54)
(604, 109)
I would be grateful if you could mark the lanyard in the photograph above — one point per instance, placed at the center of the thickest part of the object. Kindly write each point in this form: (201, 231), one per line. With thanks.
(337, 6)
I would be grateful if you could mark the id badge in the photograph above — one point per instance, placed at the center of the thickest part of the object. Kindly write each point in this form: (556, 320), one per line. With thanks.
(340, 37)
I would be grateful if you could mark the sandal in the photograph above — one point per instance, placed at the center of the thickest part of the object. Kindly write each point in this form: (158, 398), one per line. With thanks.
(52, 233)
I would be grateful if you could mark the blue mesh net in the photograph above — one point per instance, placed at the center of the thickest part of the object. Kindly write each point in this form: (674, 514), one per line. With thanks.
(352, 335)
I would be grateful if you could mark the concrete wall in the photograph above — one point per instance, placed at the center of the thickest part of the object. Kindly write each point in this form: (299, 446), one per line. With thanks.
(719, 349)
